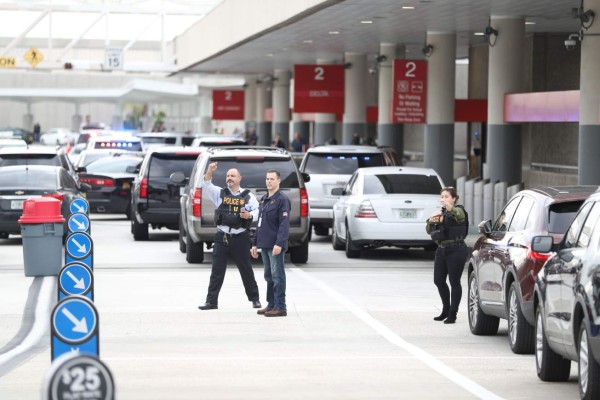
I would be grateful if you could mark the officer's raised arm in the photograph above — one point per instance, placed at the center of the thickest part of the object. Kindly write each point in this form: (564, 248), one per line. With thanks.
(212, 167)
(212, 190)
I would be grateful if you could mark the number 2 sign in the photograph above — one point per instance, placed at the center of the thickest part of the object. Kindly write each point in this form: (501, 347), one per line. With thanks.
(409, 101)
(319, 88)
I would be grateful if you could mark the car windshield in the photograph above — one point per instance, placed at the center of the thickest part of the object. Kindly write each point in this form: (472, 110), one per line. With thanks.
(113, 164)
(163, 165)
(29, 159)
(26, 178)
(401, 183)
(254, 172)
(341, 164)
(560, 215)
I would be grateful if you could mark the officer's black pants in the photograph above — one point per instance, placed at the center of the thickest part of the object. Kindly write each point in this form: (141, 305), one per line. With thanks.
(239, 248)
(449, 262)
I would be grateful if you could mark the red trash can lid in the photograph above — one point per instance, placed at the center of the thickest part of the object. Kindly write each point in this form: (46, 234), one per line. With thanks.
(38, 210)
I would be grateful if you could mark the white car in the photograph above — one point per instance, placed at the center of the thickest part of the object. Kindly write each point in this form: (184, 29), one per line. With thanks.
(385, 206)
(56, 136)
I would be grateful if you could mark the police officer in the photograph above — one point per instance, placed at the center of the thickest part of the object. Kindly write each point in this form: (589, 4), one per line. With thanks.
(271, 237)
(236, 209)
(448, 227)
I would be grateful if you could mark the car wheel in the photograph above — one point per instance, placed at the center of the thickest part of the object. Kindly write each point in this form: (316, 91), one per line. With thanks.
(140, 231)
(480, 323)
(321, 230)
(194, 252)
(352, 251)
(299, 254)
(182, 237)
(335, 240)
(589, 369)
(550, 366)
(521, 335)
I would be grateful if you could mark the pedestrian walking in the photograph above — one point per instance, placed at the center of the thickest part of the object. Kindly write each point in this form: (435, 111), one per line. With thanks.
(271, 237)
(448, 227)
(236, 209)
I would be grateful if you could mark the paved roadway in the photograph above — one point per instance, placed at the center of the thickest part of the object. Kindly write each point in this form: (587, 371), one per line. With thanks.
(356, 329)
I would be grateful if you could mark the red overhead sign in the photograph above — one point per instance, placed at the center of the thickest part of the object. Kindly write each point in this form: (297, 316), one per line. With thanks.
(228, 104)
(409, 103)
(319, 88)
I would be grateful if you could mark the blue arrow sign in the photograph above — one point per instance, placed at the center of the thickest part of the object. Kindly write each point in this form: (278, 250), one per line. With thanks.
(75, 279)
(79, 222)
(79, 206)
(74, 320)
(79, 245)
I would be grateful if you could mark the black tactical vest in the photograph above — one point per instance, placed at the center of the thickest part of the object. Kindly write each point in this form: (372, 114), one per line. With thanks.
(455, 230)
(228, 212)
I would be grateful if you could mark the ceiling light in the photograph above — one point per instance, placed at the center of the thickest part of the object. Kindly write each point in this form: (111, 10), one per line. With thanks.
(269, 54)
(529, 22)
(334, 32)
(366, 21)
(408, 7)
(307, 41)
(478, 33)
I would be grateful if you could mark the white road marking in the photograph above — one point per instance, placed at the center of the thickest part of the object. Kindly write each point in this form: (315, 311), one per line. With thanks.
(388, 334)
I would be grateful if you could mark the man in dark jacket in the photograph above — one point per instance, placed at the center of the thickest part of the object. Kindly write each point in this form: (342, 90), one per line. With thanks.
(271, 237)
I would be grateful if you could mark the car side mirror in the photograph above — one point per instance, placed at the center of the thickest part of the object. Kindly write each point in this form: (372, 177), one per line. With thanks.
(85, 187)
(305, 177)
(542, 244)
(81, 169)
(177, 178)
(485, 227)
(338, 192)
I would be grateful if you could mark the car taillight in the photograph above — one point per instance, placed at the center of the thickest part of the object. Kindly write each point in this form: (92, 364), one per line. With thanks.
(535, 256)
(197, 202)
(303, 203)
(98, 181)
(144, 188)
(365, 210)
(57, 196)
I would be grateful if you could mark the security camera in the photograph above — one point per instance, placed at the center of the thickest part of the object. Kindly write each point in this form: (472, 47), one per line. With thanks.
(570, 44)
(372, 71)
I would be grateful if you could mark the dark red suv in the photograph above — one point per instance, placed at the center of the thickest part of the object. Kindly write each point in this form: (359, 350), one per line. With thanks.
(502, 268)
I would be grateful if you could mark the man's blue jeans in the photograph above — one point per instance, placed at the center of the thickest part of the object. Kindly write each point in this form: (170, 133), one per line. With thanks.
(275, 277)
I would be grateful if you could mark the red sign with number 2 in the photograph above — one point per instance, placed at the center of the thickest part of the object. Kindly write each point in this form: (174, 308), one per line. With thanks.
(409, 104)
(319, 88)
(228, 104)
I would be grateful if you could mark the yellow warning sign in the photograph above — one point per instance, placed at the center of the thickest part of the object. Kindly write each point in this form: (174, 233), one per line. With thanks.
(33, 57)
(8, 62)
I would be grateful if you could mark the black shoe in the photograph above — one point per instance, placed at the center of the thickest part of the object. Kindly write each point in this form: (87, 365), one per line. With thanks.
(442, 316)
(451, 318)
(262, 311)
(208, 306)
(256, 304)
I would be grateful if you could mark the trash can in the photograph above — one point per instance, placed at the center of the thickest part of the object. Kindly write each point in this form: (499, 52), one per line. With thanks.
(42, 232)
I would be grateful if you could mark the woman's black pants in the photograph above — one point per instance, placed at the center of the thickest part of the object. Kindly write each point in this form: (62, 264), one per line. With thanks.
(450, 262)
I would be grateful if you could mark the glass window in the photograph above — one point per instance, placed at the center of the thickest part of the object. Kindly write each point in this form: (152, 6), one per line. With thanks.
(401, 183)
(521, 215)
(29, 159)
(506, 215)
(341, 164)
(560, 215)
(163, 165)
(573, 232)
(113, 164)
(28, 179)
(588, 227)
(254, 172)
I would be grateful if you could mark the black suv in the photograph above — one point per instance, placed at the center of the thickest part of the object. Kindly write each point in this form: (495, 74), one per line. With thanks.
(155, 197)
(197, 224)
(37, 156)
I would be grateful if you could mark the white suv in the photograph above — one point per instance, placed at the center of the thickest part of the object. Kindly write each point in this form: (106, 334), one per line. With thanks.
(330, 167)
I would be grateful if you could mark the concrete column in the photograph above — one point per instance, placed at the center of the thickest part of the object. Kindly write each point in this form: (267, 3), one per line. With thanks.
(302, 127)
(371, 97)
(355, 104)
(28, 119)
(388, 133)
(76, 119)
(503, 148)
(324, 122)
(250, 103)
(589, 103)
(263, 101)
(116, 122)
(281, 105)
(439, 131)
(204, 122)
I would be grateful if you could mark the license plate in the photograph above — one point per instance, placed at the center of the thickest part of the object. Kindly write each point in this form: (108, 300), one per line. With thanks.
(16, 204)
(407, 213)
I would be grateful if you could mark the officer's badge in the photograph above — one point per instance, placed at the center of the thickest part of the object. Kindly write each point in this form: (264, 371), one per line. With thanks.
(242, 202)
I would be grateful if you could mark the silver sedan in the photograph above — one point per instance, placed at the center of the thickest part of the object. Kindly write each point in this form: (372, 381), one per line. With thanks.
(385, 206)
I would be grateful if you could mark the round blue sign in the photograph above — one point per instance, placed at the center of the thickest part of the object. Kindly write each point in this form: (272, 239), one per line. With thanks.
(79, 206)
(79, 245)
(75, 278)
(74, 319)
(79, 222)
